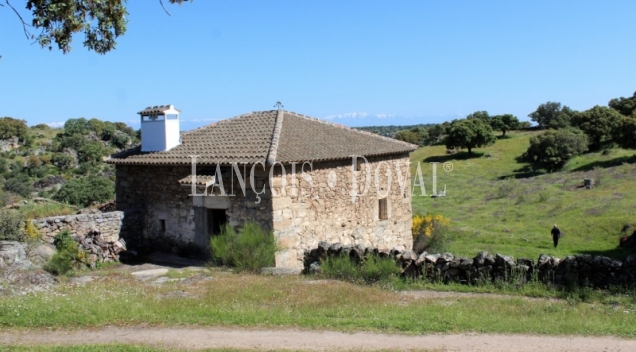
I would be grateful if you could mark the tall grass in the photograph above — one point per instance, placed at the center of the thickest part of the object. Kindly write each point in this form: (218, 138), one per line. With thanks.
(371, 270)
(250, 249)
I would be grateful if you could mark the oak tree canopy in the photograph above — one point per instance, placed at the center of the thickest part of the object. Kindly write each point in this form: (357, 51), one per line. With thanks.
(55, 22)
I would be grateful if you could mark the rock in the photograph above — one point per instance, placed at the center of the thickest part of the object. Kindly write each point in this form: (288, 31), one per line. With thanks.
(543, 260)
(480, 259)
(421, 258)
(334, 249)
(43, 252)
(147, 274)
(408, 255)
(281, 271)
(323, 247)
(525, 261)
(29, 277)
(315, 268)
(445, 258)
(81, 280)
(464, 263)
(608, 262)
(13, 253)
(432, 258)
(504, 261)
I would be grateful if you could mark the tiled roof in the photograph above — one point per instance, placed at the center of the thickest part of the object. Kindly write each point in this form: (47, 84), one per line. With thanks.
(268, 137)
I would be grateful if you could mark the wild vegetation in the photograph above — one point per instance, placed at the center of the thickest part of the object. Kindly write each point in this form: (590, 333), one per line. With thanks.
(62, 164)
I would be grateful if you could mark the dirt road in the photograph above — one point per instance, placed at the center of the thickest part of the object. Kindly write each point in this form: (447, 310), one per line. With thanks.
(199, 338)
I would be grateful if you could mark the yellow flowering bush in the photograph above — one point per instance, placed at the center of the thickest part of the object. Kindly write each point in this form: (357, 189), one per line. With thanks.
(31, 231)
(429, 232)
(425, 225)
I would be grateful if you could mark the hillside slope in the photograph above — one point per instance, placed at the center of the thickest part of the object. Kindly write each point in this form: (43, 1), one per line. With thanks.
(501, 205)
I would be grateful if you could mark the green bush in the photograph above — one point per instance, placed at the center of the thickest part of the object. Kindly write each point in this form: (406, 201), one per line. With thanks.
(370, 270)
(19, 185)
(68, 254)
(554, 148)
(11, 226)
(83, 191)
(10, 127)
(91, 152)
(251, 249)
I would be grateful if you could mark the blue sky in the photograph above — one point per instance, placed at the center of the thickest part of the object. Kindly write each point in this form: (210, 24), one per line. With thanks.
(354, 62)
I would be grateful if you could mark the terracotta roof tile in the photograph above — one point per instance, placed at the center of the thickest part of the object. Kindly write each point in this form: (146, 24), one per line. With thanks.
(268, 137)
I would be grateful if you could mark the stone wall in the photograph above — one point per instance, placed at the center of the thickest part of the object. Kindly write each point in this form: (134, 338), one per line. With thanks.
(582, 269)
(322, 208)
(109, 225)
(172, 220)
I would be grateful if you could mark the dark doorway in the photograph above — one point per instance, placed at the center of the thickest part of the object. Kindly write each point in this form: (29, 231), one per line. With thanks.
(216, 218)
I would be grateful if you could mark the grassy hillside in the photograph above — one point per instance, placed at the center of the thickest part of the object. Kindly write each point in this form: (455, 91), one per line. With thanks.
(499, 204)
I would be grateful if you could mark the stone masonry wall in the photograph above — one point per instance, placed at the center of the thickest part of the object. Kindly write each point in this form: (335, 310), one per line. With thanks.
(302, 219)
(108, 224)
(156, 193)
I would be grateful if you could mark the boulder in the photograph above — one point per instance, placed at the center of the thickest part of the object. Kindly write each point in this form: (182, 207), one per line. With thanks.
(13, 253)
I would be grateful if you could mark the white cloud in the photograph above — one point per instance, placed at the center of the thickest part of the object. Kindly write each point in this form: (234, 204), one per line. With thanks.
(56, 124)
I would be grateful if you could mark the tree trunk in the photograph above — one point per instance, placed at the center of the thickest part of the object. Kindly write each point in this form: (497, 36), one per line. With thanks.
(470, 150)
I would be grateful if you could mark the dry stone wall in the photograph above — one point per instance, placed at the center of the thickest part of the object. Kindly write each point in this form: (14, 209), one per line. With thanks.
(582, 269)
(109, 225)
(323, 207)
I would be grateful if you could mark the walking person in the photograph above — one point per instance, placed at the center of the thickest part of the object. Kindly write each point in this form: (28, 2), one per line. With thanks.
(556, 233)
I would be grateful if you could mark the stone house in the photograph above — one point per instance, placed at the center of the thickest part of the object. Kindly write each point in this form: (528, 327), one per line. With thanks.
(305, 179)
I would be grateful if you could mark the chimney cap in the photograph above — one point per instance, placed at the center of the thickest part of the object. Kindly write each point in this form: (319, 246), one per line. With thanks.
(157, 109)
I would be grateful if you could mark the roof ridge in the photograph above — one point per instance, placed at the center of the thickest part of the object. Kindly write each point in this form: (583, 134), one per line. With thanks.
(273, 148)
(353, 129)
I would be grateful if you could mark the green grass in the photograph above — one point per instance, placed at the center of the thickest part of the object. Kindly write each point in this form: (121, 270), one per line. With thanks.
(266, 301)
(501, 205)
(46, 209)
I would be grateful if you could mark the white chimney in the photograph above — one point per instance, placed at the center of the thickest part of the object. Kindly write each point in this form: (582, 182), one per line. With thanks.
(159, 128)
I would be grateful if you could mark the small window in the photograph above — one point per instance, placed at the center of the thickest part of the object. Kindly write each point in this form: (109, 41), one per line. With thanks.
(382, 208)
(358, 164)
(162, 225)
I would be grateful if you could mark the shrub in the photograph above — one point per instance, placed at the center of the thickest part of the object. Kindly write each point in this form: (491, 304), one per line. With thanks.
(251, 249)
(430, 232)
(63, 161)
(19, 185)
(371, 270)
(67, 256)
(11, 228)
(91, 152)
(83, 191)
(554, 148)
(120, 140)
(30, 231)
(10, 127)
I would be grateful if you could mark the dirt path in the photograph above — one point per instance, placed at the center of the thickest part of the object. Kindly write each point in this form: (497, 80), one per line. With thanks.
(292, 339)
